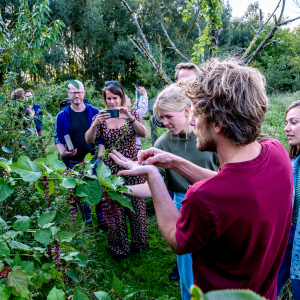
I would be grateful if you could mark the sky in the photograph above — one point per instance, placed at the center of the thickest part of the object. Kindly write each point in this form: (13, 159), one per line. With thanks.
(267, 6)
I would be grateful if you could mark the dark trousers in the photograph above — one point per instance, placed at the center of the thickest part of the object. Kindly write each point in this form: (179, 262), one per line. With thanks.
(284, 271)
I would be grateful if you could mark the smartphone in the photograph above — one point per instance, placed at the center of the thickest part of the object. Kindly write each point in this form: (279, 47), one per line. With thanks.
(114, 113)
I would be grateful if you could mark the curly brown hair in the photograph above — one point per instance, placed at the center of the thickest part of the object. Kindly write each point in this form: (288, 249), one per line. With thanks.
(232, 96)
(18, 94)
(188, 66)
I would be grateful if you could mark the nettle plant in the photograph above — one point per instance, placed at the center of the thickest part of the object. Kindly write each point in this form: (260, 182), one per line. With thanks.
(36, 259)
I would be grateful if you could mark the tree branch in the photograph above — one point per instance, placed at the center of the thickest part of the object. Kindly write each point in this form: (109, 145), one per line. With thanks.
(145, 47)
(288, 21)
(172, 44)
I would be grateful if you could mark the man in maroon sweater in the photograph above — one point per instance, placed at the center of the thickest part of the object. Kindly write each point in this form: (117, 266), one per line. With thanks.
(235, 222)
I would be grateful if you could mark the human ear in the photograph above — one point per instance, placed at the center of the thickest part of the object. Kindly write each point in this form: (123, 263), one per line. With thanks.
(218, 128)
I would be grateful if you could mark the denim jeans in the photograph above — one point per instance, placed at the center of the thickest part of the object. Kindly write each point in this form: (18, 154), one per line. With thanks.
(85, 209)
(184, 262)
(284, 271)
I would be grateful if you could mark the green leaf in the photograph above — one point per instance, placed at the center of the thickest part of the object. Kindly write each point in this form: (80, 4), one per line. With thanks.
(79, 296)
(81, 260)
(46, 218)
(75, 83)
(37, 256)
(43, 236)
(122, 199)
(19, 281)
(232, 295)
(26, 168)
(72, 274)
(11, 234)
(90, 193)
(88, 157)
(46, 266)
(117, 181)
(102, 295)
(5, 190)
(27, 266)
(20, 246)
(5, 164)
(40, 188)
(5, 293)
(7, 149)
(56, 294)
(54, 230)
(54, 163)
(22, 224)
(1, 100)
(3, 225)
(118, 285)
(4, 250)
(106, 182)
(103, 170)
(65, 236)
(17, 260)
(68, 182)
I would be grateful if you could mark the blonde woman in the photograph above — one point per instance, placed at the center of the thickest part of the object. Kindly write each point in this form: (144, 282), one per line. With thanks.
(173, 109)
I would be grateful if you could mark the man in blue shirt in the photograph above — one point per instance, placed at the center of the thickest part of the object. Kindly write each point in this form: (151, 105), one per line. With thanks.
(74, 120)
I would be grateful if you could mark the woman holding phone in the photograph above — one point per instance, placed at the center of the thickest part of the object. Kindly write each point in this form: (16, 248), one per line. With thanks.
(173, 108)
(120, 132)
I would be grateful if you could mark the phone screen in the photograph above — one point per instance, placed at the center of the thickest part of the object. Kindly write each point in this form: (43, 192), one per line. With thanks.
(114, 113)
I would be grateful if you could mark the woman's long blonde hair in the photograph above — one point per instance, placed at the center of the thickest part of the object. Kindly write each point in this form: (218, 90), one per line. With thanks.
(172, 98)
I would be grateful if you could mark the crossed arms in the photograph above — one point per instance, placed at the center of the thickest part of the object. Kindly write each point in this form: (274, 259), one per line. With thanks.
(166, 211)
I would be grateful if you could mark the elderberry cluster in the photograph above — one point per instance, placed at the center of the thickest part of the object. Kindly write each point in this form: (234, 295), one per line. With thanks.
(110, 211)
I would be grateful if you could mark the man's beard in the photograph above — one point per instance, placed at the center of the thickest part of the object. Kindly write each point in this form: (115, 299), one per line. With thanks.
(78, 101)
(205, 141)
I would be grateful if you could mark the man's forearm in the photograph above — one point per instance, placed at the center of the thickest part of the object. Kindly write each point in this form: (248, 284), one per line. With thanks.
(190, 171)
(60, 148)
(166, 211)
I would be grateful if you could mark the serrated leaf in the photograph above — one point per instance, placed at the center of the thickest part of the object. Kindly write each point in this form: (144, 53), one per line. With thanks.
(46, 218)
(68, 182)
(89, 193)
(19, 281)
(117, 181)
(26, 168)
(54, 163)
(106, 182)
(22, 224)
(56, 294)
(103, 171)
(43, 236)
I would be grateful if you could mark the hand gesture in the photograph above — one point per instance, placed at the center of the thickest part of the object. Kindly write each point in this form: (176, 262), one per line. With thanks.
(67, 153)
(156, 157)
(30, 111)
(133, 168)
(125, 114)
(102, 116)
(141, 90)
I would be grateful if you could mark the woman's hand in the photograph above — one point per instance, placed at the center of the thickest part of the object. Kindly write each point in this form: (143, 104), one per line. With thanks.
(141, 90)
(133, 168)
(125, 114)
(102, 116)
(30, 111)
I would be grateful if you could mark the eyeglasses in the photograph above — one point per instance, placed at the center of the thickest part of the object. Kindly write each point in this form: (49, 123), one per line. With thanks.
(116, 82)
(74, 93)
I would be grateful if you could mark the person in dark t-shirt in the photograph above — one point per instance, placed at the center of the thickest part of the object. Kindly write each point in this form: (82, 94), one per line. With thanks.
(75, 120)
(235, 222)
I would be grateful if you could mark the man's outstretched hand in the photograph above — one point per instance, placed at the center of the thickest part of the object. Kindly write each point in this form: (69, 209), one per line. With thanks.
(132, 167)
(156, 157)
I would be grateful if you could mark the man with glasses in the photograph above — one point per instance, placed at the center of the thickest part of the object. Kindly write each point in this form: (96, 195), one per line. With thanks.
(74, 120)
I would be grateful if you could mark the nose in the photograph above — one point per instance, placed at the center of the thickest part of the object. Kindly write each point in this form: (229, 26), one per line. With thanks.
(192, 121)
(165, 122)
(287, 127)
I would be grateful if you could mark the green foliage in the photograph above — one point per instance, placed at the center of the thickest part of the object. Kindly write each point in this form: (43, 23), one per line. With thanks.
(31, 35)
